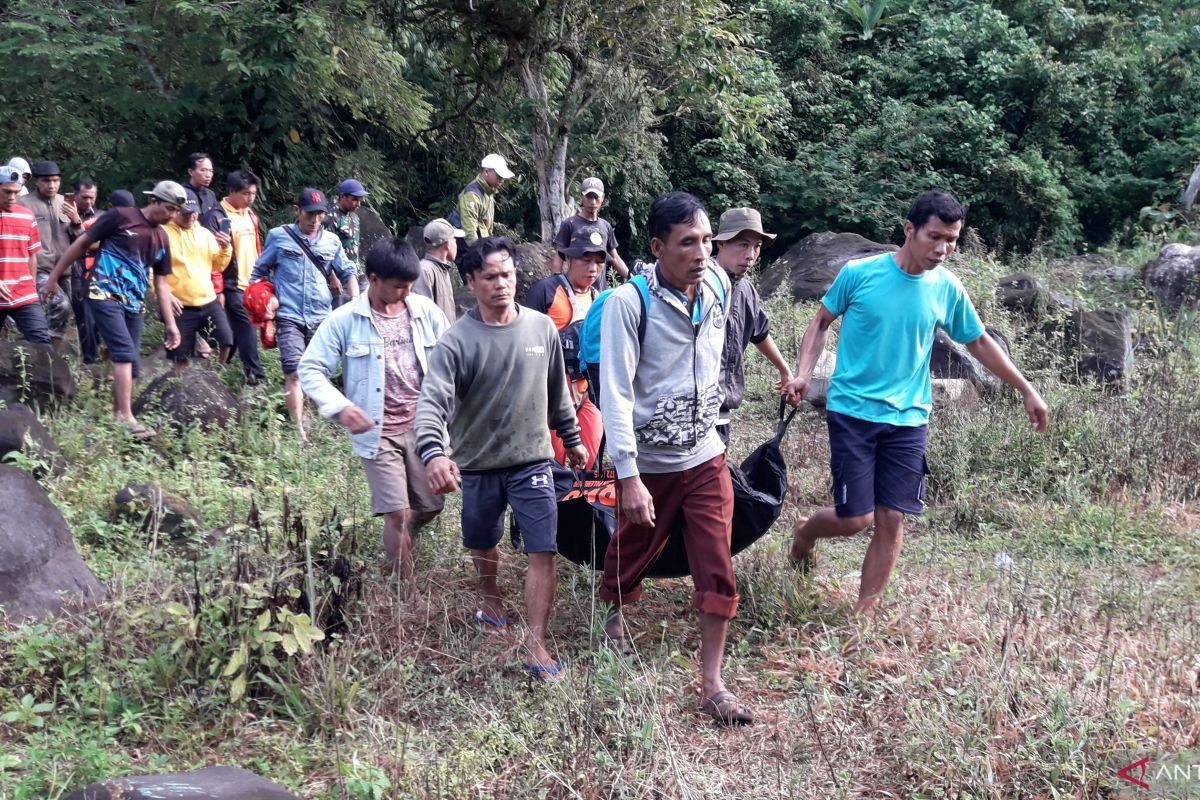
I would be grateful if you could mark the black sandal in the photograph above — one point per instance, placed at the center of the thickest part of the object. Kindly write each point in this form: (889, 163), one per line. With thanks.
(725, 708)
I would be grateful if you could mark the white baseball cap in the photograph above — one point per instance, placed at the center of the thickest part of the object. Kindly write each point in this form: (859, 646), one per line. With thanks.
(496, 161)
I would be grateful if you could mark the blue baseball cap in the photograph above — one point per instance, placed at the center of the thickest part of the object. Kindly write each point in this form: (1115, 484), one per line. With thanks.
(352, 188)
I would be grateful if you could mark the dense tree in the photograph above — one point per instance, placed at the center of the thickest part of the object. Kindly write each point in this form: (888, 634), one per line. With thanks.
(1057, 120)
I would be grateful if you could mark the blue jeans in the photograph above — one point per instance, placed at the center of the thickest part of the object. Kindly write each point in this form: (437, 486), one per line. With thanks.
(30, 321)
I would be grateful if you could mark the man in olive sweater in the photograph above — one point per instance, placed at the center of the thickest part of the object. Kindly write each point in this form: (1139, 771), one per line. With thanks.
(494, 379)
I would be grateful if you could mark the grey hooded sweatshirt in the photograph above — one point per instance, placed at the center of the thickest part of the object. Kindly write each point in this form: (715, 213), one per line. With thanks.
(660, 399)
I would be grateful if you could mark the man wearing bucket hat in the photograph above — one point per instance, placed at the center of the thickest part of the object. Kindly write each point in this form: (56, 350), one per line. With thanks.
(741, 238)
(132, 246)
(588, 222)
(566, 297)
(476, 211)
(55, 217)
(301, 259)
(441, 251)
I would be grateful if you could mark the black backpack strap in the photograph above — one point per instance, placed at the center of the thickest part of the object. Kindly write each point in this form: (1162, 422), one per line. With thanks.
(784, 421)
(316, 260)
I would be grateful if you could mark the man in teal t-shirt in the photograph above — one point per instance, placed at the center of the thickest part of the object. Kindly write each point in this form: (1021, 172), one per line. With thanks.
(880, 394)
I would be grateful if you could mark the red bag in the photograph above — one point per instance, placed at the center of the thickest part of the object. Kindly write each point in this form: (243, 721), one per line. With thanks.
(257, 302)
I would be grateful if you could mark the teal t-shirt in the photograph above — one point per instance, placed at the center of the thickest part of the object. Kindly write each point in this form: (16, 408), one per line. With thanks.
(889, 321)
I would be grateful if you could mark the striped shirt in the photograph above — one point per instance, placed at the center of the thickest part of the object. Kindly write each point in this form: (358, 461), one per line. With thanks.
(18, 241)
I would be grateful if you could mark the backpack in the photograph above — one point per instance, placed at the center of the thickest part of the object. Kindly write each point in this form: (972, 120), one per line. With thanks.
(455, 218)
(589, 333)
(569, 335)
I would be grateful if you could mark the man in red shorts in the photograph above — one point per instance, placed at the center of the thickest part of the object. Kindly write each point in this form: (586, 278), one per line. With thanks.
(661, 393)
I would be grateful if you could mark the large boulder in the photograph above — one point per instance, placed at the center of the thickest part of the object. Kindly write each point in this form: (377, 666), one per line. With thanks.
(533, 260)
(189, 396)
(371, 229)
(1174, 277)
(22, 432)
(1103, 342)
(1025, 294)
(950, 359)
(212, 783)
(157, 510)
(35, 371)
(947, 393)
(808, 269)
(41, 572)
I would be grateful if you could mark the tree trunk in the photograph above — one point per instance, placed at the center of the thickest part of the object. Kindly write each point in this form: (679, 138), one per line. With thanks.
(1188, 198)
(549, 150)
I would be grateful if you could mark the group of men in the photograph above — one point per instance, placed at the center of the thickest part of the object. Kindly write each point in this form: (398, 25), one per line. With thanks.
(203, 254)
(485, 402)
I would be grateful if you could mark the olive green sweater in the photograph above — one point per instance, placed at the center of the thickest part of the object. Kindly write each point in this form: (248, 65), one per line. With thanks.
(490, 390)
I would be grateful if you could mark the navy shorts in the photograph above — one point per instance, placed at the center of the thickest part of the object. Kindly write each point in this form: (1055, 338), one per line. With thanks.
(874, 463)
(292, 339)
(120, 330)
(528, 490)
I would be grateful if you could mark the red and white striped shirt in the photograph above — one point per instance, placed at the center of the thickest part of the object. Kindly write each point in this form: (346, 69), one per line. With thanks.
(18, 241)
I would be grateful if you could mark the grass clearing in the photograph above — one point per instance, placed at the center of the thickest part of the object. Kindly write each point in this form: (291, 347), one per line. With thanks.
(980, 678)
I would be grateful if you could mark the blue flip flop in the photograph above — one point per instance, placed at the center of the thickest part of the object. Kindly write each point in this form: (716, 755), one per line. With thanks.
(545, 674)
(498, 625)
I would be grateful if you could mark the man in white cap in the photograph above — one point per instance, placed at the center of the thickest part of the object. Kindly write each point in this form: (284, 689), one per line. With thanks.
(22, 166)
(476, 209)
(587, 225)
(133, 245)
(441, 251)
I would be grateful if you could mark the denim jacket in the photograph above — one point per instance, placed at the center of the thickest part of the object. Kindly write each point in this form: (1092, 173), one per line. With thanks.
(302, 290)
(349, 337)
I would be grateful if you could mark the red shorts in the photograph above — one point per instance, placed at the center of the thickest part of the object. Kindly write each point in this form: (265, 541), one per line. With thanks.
(703, 498)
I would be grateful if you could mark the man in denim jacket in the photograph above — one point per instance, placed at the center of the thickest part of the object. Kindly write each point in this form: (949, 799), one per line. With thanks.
(302, 286)
(382, 340)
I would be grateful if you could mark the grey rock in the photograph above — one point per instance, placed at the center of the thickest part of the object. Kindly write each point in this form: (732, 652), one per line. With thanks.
(41, 572)
(1019, 291)
(1104, 345)
(212, 783)
(22, 432)
(190, 396)
(1173, 277)
(1111, 273)
(950, 359)
(159, 511)
(371, 229)
(37, 371)
(949, 393)
(533, 260)
(808, 269)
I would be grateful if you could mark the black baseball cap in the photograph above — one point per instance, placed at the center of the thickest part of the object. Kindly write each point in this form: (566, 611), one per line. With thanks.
(311, 200)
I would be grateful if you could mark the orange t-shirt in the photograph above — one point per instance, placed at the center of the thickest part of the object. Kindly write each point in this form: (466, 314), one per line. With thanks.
(563, 314)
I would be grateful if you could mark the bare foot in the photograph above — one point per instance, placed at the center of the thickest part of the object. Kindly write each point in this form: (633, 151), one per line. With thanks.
(802, 557)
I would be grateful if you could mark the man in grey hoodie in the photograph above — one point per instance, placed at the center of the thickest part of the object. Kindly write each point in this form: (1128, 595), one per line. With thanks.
(494, 379)
(661, 393)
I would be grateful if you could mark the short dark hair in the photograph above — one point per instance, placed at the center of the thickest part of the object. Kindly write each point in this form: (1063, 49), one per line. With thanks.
(670, 210)
(195, 158)
(393, 259)
(240, 180)
(936, 203)
(472, 260)
(84, 183)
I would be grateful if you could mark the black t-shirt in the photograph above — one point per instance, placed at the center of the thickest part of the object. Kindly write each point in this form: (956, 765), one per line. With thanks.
(599, 232)
(130, 247)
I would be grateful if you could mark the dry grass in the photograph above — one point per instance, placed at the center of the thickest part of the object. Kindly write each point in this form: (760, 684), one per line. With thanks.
(1038, 680)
